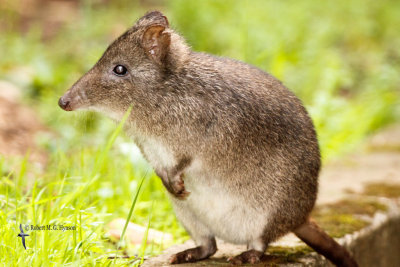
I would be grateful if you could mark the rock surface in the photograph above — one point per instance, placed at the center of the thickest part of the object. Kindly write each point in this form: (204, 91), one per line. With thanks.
(136, 233)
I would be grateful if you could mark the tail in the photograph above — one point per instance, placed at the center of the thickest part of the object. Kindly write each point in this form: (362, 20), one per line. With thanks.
(321, 242)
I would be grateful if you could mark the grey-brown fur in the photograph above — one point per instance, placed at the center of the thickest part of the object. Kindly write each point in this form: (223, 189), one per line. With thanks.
(233, 146)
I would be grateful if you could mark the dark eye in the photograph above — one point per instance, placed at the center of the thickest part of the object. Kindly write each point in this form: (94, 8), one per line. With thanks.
(120, 70)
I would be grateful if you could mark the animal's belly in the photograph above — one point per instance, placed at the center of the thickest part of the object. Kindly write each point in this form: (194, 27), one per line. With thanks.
(229, 217)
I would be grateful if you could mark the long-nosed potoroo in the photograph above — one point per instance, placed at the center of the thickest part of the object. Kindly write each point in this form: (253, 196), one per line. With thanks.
(235, 149)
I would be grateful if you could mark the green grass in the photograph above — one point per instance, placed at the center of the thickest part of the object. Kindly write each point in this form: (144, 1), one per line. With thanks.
(340, 58)
(85, 190)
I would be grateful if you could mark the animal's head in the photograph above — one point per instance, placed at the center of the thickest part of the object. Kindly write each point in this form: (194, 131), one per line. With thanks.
(130, 70)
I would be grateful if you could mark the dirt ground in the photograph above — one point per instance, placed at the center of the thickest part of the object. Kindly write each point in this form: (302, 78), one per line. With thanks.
(19, 126)
(378, 161)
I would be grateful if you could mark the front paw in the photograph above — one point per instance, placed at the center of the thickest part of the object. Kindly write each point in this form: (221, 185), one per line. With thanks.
(178, 189)
(174, 184)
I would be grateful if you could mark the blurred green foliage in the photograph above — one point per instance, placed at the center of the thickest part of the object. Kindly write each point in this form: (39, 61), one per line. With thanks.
(341, 58)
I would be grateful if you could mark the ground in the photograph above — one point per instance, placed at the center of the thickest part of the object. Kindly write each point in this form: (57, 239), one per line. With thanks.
(19, 126)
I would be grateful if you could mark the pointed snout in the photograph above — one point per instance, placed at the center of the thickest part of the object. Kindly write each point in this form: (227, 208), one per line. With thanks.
(76, 97)
(73, 100)
(65, 103)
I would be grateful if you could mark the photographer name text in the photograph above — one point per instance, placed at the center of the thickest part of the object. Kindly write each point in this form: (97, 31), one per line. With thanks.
(50, 227)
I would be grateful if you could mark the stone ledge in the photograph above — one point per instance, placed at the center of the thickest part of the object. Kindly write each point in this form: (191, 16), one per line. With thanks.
(378, 244)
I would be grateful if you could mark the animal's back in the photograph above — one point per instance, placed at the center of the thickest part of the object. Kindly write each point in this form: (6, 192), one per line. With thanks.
(252, 120)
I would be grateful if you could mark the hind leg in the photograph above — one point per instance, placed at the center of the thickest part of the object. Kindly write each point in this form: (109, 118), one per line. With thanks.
(256, 249)
(200, 233)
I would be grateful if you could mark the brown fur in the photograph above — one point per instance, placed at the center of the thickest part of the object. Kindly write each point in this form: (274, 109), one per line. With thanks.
(243, 143)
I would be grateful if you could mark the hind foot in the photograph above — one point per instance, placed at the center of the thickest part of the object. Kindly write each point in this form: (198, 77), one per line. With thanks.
(194, 254)
(251, 256)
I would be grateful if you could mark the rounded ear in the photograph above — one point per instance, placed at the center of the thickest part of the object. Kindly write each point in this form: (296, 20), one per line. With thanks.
(151, 18)
(156, 40)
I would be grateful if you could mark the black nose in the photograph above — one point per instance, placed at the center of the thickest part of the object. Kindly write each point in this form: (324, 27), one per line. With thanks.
(64, 104)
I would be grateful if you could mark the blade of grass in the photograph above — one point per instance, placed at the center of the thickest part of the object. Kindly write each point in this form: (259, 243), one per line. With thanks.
(131, 210)
(144, 241)
(102, 155)
(130, 214)
(30, 204)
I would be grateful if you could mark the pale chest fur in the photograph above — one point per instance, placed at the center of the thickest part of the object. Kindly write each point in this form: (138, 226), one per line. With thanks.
(158, 155)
